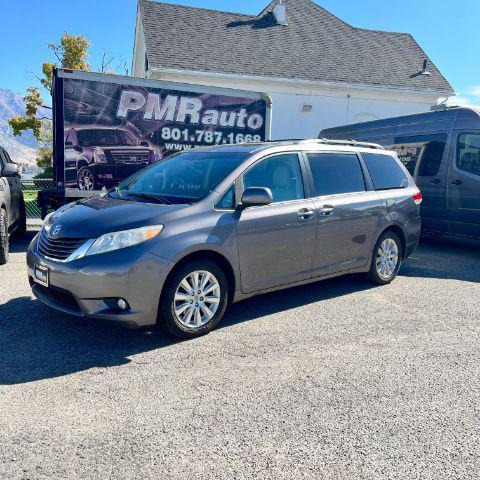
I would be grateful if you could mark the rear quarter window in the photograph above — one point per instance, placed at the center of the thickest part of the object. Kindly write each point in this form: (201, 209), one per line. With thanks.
(385, 172)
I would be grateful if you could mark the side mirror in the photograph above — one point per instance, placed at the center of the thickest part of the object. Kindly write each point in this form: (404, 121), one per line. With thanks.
(144, 144)
(10, 170)
(256, 197)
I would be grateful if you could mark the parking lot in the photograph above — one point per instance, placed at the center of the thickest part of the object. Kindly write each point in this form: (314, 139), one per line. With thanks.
(335, 380)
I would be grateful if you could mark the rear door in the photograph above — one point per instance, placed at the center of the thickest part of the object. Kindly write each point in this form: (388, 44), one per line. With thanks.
(348, 211)
(276, 242)
(425, 157)
(463, 188)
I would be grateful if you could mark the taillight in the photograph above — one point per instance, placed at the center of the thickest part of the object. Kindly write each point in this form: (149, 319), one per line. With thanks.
(417, 198)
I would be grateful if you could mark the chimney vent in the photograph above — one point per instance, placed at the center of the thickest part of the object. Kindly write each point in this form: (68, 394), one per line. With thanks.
(280, 13)
(424, 68)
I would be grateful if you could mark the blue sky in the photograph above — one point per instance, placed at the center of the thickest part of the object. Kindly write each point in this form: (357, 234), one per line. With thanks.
(448, 31)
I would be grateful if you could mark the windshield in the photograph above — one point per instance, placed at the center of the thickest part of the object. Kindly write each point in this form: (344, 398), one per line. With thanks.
(104, 138)
(184, 178)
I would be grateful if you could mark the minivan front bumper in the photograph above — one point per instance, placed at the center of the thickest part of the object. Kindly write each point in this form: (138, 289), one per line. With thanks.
(88, 287)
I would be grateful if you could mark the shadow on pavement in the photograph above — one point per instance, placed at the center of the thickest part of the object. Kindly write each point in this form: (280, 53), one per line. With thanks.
(445, 258)
(39, 343)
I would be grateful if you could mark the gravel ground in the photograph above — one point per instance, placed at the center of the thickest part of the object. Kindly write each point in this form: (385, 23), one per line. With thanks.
(335, 380)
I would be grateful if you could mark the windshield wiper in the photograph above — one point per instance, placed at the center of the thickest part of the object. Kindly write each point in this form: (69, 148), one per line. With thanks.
(150, 196)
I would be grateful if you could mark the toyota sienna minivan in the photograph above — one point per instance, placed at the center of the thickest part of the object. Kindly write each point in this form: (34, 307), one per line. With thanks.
(177, 241)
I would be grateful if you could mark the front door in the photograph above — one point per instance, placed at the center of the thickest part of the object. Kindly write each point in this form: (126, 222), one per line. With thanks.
(463, 188)
(276, 242)
(348, 214)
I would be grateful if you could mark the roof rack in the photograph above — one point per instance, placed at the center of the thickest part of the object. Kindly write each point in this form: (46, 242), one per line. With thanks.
(326, 141)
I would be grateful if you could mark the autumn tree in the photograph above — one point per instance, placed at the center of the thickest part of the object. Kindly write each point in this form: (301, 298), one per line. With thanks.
(72, 53)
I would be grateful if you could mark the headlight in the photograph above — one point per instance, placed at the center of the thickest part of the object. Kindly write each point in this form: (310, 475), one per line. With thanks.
(123, 239)
(99, 156)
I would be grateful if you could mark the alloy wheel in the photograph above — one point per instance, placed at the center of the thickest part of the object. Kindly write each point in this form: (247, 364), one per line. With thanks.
(387, 258)
(197, 299)
(85, 179)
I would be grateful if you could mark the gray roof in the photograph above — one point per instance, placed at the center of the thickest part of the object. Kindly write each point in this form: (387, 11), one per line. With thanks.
(314, 45)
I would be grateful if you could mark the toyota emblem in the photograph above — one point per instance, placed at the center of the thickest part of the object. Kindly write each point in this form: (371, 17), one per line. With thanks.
(56, 230)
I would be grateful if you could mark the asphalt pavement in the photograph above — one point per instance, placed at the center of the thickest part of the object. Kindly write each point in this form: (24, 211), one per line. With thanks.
(334, 380)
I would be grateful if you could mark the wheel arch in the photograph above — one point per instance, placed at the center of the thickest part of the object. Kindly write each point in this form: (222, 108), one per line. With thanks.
(398, 230)
(214, 257)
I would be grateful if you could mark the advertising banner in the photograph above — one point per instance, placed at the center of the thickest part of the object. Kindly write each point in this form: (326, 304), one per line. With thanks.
(111, 130)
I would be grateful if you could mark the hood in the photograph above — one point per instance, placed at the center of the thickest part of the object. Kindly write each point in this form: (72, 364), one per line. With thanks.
(96, 216)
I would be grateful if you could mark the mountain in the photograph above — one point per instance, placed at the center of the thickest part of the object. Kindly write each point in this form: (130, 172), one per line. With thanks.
(22, 148)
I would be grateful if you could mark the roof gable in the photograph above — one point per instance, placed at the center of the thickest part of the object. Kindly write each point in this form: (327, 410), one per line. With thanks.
(314, 45)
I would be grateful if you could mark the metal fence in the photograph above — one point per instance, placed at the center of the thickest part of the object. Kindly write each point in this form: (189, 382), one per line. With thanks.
(30, 190)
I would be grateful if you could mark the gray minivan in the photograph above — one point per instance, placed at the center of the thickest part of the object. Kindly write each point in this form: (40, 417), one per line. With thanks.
(441, 150)
(178, 240)
(13, 217)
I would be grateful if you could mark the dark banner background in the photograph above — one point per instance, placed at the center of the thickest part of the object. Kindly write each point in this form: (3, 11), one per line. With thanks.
(94, 106)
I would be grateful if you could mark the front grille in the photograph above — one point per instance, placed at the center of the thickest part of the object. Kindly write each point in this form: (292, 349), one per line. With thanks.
(131, 158)
(58, 248)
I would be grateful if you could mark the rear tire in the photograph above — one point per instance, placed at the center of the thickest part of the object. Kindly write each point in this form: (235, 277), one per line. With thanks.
(3, 237)
(386, 259)
(188, 312)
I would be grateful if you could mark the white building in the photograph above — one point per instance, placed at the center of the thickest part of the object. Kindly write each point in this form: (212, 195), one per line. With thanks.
(319, 71)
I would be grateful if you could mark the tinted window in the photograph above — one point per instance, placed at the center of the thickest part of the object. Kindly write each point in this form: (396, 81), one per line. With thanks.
(104, 138)
(281, 174)
(2, 159)
(468, 156)
(227, 202)
(335, 173)
(421, 154)
(385, 171)
(184, 178)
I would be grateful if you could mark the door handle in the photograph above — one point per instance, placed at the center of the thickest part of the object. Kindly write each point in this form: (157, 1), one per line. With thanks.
(325, 210)
(305, 213)
(435, 181)
(457, 182)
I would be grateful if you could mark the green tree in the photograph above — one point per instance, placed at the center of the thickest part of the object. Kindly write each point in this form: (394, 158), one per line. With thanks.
(71, 52)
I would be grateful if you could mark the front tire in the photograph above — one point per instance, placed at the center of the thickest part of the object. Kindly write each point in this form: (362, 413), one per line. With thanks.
(194, 299)
(386, 259)
(4, 247)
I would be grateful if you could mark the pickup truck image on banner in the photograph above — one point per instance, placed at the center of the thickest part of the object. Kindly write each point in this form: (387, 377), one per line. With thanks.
(113, 126)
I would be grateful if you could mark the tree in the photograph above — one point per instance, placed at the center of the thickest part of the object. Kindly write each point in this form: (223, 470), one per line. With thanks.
(71, 52)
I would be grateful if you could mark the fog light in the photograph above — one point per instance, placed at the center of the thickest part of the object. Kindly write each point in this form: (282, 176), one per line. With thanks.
(122, 304)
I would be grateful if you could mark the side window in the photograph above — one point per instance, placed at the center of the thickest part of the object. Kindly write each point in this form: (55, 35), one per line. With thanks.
(386, 173)
(227, 202)
(421, 154)
(468, 152)
(335, 173)
(281, 174)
